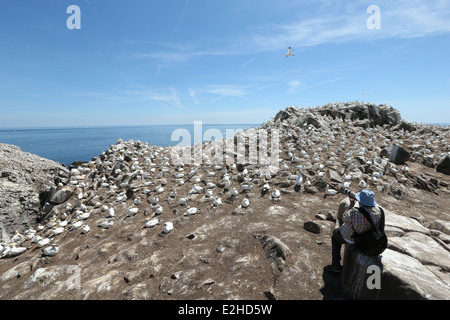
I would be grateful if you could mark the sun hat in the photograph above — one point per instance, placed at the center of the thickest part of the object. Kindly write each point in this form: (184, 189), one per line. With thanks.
(366, 197)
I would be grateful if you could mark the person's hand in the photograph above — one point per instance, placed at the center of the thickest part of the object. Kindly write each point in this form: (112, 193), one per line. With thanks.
(352, 202)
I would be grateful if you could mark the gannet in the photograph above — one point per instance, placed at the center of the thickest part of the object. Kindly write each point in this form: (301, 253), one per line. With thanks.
(51, 250)
(245, 203)
(210, 185)
(345, 184)
(107, 224)
(362, 184)
(190, 211)
(173, 194)
(132, 210)
(160, 190)
(77, 224)
(299, 179)
(182, 201)
(30, 234)
(111, 213)
(329, 192)
(217, 201)
(235, 192)
(168, 226)
(159, 209)
(57, 231)
(148, 223)
(11, 250)
(208, 193)
(289, 53)
(85, 229)
(137, 201)
(84, 216)
(43, 242)
(276, 194)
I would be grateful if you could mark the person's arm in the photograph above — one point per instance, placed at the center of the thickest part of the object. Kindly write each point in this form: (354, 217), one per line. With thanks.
(346, 215)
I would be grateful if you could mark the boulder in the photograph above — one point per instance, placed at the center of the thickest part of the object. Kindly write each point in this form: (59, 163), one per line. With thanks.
(404, 223)
(423, 248)
(61, 196)
(443, 166)
(361, 274)
(396, 154)
(319, 226)
(405, 278)
(440, 225)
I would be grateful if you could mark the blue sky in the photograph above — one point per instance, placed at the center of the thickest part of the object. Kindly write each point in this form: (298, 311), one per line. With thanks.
(177, 61)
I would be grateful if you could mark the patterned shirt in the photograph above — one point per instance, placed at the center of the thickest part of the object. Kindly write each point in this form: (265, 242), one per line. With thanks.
(354, 221)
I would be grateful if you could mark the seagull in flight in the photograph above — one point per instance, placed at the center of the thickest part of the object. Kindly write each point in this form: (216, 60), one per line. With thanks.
(289, 53)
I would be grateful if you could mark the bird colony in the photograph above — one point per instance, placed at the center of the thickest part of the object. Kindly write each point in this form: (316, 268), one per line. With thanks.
(135, 180)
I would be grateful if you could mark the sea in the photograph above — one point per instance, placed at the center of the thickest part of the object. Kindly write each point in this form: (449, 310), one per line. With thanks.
(70, 144)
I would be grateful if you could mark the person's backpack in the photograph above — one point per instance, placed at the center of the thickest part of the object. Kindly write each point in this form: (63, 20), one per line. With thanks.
(373, 241)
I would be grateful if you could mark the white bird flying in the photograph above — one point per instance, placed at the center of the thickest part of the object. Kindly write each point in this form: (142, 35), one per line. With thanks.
(289, 53)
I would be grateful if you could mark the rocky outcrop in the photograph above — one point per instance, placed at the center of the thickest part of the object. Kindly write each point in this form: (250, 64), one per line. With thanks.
(362, 114)
(26, 181)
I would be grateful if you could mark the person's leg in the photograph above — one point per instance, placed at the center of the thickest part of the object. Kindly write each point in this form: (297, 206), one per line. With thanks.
(336, 244)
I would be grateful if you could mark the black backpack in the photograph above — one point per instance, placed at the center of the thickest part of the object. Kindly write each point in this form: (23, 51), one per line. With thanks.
(373, 241)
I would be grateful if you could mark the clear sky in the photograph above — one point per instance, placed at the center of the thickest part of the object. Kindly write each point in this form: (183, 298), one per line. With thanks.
(149, 62)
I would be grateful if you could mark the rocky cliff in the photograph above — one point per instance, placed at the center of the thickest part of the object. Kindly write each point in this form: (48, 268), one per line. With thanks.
(138, 223)
(26, 180)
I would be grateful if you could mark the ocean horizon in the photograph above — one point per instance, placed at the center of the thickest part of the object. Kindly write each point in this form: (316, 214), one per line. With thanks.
(70, 144)
(82, 143)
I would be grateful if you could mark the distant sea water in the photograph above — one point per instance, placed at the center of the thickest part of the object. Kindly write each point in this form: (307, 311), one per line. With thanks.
(67, 145)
